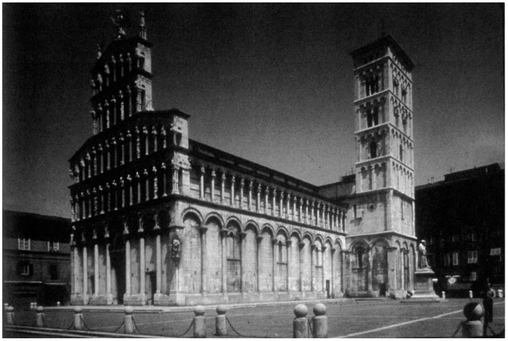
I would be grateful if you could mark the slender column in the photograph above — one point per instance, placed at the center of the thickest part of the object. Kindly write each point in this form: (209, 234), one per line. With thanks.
(114, 190)
(155, 183)
(274, 265)
(138, 142)
(176, 182)
(242, 183)
(313, 213)
(369, 270)
(202, 183)
(281, 204)
(249, 201)
(75, 270)
(224, 261)
(232, 191)
(154, 137)
(222, 186)
(158, 257)
(294, 207)
(301, 245)
(267, 192)
(323, 249)
(119, 159)
(85, 271)
(128, 286)
(204, 258)
(141, 257)
(128, 101)
(258, 263)
(164, 180)
(258, 199)
(288, 205)
(147, 184)
(128, 141)
(274, 198)
(212, 186)
(325, 209)
(243, 260)
(332, 279)
(300, 209)
(312, 267)
(307, 212)
(289, 255)
(164, 140)
(96, 266)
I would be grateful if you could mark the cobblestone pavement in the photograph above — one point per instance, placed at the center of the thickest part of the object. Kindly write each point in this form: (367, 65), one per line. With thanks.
(346, 318)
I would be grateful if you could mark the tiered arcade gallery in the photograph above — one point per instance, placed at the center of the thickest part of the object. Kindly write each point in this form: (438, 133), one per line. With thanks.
(161, 219)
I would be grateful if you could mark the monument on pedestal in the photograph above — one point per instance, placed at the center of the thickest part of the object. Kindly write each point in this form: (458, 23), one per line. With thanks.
(424, 288)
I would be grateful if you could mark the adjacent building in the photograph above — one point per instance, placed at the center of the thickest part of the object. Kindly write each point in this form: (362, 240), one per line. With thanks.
(36, 259)
(462, 220)
(159, 218)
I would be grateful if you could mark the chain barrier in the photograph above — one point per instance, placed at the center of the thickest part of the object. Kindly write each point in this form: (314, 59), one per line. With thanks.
(458, 328)
(71, 327)
(241, 335)
(136, 325)
(84, 324)
(192, 323)
(117, 329)
(44, 324)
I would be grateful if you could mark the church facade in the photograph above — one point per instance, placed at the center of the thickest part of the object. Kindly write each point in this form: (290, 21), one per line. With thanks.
(159, 218)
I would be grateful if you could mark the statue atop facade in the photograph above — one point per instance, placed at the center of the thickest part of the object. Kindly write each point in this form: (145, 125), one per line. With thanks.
(422, 255)
(120, 22)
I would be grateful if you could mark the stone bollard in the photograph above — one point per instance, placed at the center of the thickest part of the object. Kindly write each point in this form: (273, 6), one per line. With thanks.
(9, 315)
(300, 323)
(443, 295)
(320, 321)
(470, 294)
(500, 293)
(39, 319)
(128, 322)
(78, 318)
(473, 327)
(58, 303)
(221, 328)
(199, 321)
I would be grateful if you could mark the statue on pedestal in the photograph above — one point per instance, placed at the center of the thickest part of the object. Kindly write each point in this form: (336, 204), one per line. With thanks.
(422, 256)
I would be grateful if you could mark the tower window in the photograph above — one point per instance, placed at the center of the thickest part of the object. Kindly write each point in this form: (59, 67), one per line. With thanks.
(401, 153)
(373, 149)
(404, 95)
(372, 85)
(372, 117)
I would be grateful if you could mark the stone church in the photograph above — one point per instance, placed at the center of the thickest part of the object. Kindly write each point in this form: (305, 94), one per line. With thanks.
(159, 218)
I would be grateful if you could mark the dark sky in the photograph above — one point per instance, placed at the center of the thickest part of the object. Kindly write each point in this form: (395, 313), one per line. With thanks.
(272, 83)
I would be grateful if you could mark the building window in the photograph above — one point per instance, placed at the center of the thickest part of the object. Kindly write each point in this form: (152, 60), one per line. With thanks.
(455, 238)
(472, 257)
(471, 236)
(447, 259)
(53, 246)
(472, 277)
(402, 210)
(53, 271)
(395, 87)
(25, 269)
(401, 153)
(24, 244)
(455, 258)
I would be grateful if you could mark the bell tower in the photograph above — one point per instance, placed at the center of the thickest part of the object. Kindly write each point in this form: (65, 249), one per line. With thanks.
(384, 137)
(121, 77)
